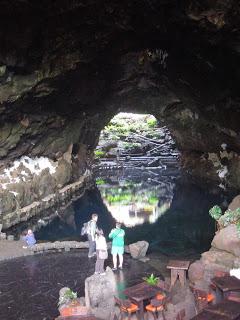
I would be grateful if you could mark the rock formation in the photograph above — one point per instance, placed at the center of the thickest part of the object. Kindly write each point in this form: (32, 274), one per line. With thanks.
(99, 293)
(67, 67)
(138, 249)
(223, 256)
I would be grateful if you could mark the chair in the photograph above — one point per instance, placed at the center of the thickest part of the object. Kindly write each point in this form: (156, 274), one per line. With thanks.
(181, 315)
(165, 292)
(126, 307)
(202, 299)
(164, 286)
(160, 296)
(234, 296)
(155, 307)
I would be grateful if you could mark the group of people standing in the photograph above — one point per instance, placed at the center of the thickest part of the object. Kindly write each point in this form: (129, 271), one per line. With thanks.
(98, 245)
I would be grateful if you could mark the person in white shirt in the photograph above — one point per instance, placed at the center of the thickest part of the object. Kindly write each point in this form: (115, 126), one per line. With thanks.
(91, 233)
(102, 253)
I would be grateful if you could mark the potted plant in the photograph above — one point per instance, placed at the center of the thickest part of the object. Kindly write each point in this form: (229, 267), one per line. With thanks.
(151, 280)
(68, 302)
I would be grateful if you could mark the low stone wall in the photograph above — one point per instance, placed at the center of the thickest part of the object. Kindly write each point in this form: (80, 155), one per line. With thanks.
(10, 249)
(51, 202)
(58, 246)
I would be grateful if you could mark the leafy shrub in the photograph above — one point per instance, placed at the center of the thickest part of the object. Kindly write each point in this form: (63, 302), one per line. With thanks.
(99, 154)
(153, 200)
(131, 145)
(100, 182)
(152, 122)
(119, 198)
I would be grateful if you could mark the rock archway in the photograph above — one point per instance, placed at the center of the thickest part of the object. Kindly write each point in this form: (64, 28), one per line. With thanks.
(67, 67)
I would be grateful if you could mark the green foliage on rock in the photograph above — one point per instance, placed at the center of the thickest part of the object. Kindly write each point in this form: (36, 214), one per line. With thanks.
(229, 217)
(215, 212)
(131, 145)
(125, 129)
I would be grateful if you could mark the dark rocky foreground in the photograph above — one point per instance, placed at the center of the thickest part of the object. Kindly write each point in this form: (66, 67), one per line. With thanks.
(29, 286)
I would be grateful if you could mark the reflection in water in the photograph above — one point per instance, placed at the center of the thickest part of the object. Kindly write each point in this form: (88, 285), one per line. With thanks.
(172, 215)
(121, 283)
(135, 203)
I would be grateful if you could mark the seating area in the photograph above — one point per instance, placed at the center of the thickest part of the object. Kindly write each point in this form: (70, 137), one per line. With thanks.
(220, 301)
(224, 301)
(166, 300)
(145, 301)
(126, 307)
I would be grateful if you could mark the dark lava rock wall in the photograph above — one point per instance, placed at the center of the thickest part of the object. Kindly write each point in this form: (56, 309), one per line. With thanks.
(67, 67)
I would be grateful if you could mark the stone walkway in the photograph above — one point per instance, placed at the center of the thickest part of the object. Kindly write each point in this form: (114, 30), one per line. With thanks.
(29, 286)
(12, 249)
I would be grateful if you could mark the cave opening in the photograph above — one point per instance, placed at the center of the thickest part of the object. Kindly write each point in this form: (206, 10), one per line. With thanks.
(132, 149)
(139, 182)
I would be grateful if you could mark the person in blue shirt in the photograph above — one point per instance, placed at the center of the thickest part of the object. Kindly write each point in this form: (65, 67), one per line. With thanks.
(29, 238)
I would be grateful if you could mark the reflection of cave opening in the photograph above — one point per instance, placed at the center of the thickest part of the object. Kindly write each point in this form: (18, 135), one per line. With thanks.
(138, 151)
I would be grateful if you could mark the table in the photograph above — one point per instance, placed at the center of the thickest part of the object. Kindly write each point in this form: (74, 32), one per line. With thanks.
(206, 315)
(141, 292)
(178, 269)
(77, 318)
(228, 308)
(225, 285)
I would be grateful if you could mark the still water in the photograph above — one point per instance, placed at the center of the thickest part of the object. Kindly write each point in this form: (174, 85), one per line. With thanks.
(29, 286)
(167, 210)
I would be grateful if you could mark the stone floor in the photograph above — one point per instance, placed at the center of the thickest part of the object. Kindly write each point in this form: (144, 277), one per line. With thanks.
(29, 286)
(12, 249)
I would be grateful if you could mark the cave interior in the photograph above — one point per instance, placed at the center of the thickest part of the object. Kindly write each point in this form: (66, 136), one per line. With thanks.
(67, 67)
